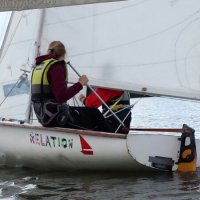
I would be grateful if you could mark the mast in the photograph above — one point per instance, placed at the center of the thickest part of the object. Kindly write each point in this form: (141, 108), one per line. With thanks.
(29, 111)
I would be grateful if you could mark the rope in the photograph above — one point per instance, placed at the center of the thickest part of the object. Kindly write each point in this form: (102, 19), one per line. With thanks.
(123, 120)
(11, 38)
(75, 101)
(103, 102)
(9, 92)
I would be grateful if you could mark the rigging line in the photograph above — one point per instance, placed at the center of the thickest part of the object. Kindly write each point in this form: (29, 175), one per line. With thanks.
(23, 15)
(5, 36)
(123, 120)
(111, 107)
(13, 34)
(75, 102)
(131, 106)
(11, 38)
(9, 92)
(97, 14)
(103, 102)
(119, 111)
(140, 39)
(4, 27)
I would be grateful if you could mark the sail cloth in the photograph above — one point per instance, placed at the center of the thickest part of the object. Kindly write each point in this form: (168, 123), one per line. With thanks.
(18, 52)
(14, 5)
(145, 46)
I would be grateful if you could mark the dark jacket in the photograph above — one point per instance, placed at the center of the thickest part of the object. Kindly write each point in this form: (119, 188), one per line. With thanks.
(57, 80)
(47, 110)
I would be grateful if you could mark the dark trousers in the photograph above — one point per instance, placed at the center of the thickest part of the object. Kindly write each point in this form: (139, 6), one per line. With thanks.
(88, 118)
(71, 117)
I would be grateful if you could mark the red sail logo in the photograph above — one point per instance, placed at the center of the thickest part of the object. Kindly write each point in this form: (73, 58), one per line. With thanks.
(86, 148)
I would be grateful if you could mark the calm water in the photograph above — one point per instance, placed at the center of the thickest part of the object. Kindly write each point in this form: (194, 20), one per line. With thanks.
(148, 112)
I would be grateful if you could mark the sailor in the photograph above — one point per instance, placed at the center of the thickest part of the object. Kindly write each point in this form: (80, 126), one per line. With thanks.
(50, 93)
(118, 101)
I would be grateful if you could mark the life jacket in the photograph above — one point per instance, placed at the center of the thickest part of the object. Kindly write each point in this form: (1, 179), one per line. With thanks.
(121, 102)
(40, 88)
(45, 106)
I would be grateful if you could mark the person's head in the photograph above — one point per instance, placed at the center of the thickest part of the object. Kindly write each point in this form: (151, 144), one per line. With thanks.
(57, 49)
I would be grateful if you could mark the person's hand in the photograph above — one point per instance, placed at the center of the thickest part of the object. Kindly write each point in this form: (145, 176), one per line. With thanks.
(81, 97)
(83, 79)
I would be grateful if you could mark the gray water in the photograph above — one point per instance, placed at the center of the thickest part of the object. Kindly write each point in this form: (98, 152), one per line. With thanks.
(24, 184)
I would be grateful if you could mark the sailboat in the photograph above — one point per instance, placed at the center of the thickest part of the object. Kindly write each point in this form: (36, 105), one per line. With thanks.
(146, 47)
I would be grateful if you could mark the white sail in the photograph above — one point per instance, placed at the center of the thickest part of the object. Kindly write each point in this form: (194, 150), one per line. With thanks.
(11, 5)
(18, 52)
(139, 45)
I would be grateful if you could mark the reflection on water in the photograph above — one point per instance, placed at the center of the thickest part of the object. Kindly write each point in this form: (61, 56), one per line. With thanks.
(89, 186)
(149, 112)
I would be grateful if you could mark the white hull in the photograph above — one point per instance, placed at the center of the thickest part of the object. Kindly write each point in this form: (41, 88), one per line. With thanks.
(28, 146)
(68, 149)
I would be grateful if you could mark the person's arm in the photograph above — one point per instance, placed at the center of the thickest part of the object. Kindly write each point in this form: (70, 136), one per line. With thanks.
(57, 79)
